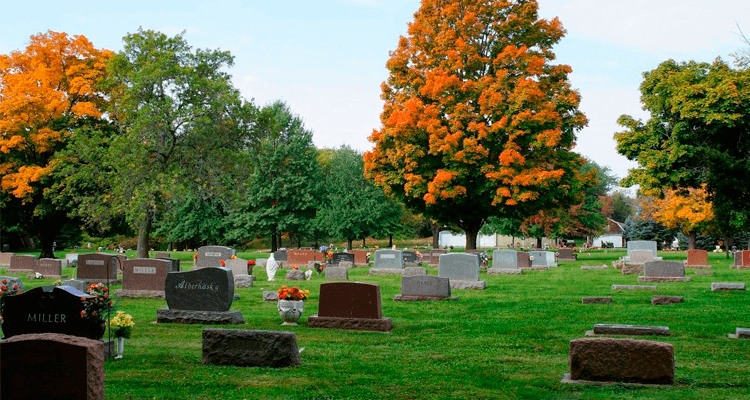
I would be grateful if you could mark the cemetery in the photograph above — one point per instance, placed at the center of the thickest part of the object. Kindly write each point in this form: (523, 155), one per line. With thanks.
(683, 346)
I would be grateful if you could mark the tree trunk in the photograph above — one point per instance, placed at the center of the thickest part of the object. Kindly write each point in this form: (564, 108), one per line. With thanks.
(47, 237)
(364, 246)
(274, 245)
(471, 229)
(691, 240)
(435, 235)
(299, 241)
(538, 243)
(349, 243)
(727, 249)
(390, 240)
(144, 229)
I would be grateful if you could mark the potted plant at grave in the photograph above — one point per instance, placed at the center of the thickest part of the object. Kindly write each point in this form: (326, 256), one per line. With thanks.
(250, 265)
(123, 324)
(291, 304)
(96, 309)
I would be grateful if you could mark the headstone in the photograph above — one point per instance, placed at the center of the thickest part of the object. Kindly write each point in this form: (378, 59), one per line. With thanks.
(10, 281)
(46, 309)
(726, 286)
(388, 259)
(360, 257)
(590, 300)
(414, 271)
(5, 259)
(423, 288)
(410, 257)
(641, 256)
(145, 277)
(280, 256)
(241, 272)
(261, 262)
(72, 259)
(270, 295)
(211, 256)
(174, 264)
(566, 255)
(742, 259)
(295, 275)
(633, 287)
(201, 296)
(664, 271)
(49, 268)
(662, 300)
(346, 264)
(337, 273)
(594, 267)
(504, 258)
(523, 260)
(162, 255)
(51, 366)
(350, 305)
(95, 267)
(22, 263)
(632, 330)
(621, 360)
(435, 255)
(697, 259)
(642, 245)
(462, 269)
(740, 333)
(542, 259)
(246, 348)
(300, 258)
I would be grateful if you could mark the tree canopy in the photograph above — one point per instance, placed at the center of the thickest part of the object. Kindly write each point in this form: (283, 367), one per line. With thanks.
(477, 120)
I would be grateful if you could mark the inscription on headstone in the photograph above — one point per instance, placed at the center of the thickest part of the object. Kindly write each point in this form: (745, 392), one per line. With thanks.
(211, 256)
(46, 309)
(389, 259)
(205, 289)
(49, 267)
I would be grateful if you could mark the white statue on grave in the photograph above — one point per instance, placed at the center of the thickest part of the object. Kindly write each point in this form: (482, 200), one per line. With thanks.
(271, 268)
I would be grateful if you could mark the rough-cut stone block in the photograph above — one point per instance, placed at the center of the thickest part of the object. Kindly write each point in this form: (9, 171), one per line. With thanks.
(473, 285)
(705, 273)
(723, 286)
(246, 348)
(243, 281)
(78, 284)
(415, 271)
(635, 330)
(270, 295)
(622, 360)
(591, 300)
(295, 275)
(743, 333)
(358, 324)
(5, 259)
(52, 366)
(337, 273)
(385, 271)
(505, 271)
(633, 287)
(662, 300)
(232, 317)
(594, 267)
(664, 279)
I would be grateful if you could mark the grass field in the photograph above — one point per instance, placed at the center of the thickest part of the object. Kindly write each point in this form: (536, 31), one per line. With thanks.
(509, 341)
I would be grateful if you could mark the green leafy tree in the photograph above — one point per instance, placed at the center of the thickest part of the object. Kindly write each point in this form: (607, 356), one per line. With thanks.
(283, 191)
(700, 115)
(637, 228)
(477, 120)
(179, 120)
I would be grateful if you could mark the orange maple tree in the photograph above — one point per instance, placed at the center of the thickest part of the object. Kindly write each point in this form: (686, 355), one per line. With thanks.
(687, 209)
(46, 91)
(477, 121)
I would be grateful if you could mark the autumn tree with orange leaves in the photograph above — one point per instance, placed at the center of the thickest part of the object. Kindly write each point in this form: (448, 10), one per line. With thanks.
(47, 91)
(687, 209)
(477, 120)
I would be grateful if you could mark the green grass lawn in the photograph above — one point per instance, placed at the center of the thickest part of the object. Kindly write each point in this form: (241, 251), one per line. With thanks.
(508, 341)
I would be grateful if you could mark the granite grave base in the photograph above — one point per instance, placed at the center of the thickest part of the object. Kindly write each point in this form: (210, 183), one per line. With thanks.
(472, 285)
(357, 324)
(88, 282)
(664, 300)
(726, 286)
(504, 271)
(243, 281)
(664, 279)
(140, 294)
(704, 272)
(386, 271)
(414, 297)
(633, 287)
(415, 271)
(19, 271)
(630, 330)
(166, 316)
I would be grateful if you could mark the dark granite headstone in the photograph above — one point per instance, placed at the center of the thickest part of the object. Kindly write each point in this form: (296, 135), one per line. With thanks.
(350, 300)
(204, 289)
(523, 260)
(145, 274)
(95, 266)
(566, 255)
(280, 255)
(211, 256)
(246, 348)
(48, 267)
(46, 309)
(162, 255)
(23, 262)
(52, 367)
(409, 257)
(339, 257)
(174, 265)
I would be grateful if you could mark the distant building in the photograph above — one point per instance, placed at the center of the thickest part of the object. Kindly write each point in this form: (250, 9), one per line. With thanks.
(613, 235)
(448, 238)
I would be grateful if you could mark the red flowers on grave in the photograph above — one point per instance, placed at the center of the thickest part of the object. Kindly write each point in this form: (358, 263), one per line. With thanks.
(223, 264)
(250, 262)
(294, 267)
(195, 256)
(294, 293)
(6, 291)
(99, 306)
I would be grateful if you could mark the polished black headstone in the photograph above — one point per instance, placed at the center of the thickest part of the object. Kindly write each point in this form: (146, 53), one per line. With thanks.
(46, 309)
(204, 289)
(339, 257)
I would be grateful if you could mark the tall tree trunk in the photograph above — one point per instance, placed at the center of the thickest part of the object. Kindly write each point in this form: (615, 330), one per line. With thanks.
(47, 236)
(349, 243)
(274, 246)
(364, 246)
(727, 249)
(435, 235)
(144, 230)
(390, 240)
(538, 243)
(299, 241)
(471, 229)
(692, 235)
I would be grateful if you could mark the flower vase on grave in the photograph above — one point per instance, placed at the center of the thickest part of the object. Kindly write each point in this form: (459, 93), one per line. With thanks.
(120, 346)
(290, 311)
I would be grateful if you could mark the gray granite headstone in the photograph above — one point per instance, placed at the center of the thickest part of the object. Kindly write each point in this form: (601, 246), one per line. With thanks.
(72, 259)
(664, 268)
(425, 285)
(641, 256)
(237, 265)
(337, 273)
(642, 245)
(280, 255)
(339, 257)
(459, 266)
(10, 281)
(726, 286)
(504, 259)
(542, 259)
(211, 256)
(389, 259)
(204, 289)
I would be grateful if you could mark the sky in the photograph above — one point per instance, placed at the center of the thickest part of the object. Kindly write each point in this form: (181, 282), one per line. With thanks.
(326, 58)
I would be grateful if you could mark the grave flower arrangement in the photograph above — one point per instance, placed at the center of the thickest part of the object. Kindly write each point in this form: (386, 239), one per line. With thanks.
(250, 262)
(6, 290)
(294, 293)
(319, 267)
(223, 264)
(122, 324)
(96, 308)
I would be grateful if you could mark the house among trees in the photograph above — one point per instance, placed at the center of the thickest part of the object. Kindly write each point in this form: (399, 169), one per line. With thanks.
(613, 235)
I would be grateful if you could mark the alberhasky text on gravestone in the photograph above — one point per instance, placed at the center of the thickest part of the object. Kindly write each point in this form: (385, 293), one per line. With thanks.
(201, 296)
(350, 305)
(47, 309)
